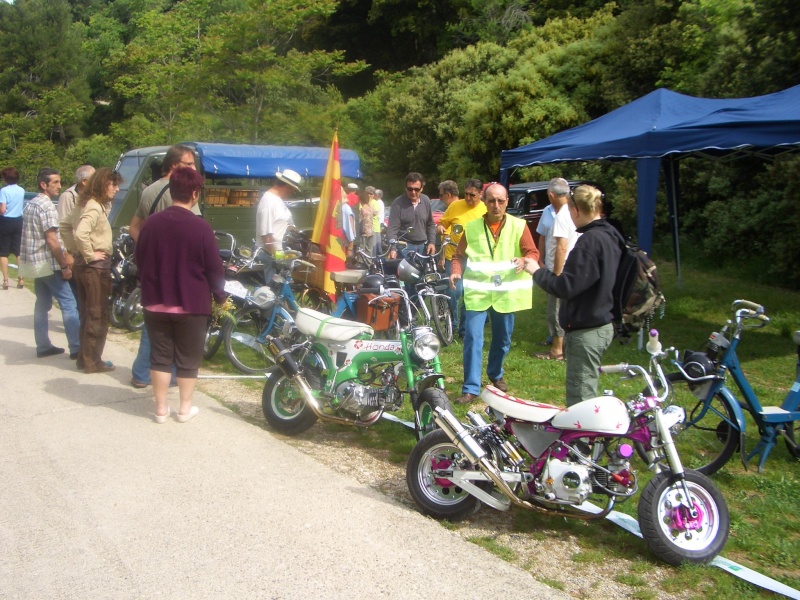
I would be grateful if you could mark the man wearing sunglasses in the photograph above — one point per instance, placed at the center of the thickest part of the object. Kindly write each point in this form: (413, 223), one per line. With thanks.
(412, 210)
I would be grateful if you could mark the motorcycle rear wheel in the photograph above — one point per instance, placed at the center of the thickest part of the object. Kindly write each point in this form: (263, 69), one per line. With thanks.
(662, 519)
(439, 497)
(284, 407)
(793, 450)
(427, 401)
(240, 336)
(133, 312)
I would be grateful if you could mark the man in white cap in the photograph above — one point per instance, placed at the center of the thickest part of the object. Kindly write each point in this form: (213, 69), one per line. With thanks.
(273, 217)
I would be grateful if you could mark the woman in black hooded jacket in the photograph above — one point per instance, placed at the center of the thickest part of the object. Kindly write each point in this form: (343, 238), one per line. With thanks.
(586, 285)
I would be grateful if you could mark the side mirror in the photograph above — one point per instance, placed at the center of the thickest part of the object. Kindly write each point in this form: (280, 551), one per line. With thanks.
(457, 229)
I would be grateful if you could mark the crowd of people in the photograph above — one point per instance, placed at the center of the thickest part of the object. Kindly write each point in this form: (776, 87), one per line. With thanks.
(492, 266)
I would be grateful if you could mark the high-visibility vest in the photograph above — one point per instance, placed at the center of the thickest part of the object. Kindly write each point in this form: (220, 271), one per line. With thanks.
(490, 278)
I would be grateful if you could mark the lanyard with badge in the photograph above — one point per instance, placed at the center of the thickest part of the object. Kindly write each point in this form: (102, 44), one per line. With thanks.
(496, 279)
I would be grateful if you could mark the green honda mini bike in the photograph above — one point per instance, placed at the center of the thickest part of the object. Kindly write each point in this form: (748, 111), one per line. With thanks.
(332, 369)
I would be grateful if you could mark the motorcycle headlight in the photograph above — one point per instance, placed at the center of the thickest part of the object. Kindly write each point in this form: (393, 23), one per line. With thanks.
(426, 344)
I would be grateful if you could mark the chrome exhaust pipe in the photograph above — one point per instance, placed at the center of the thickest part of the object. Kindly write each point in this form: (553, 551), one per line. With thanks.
(287, 364)
(475, 453)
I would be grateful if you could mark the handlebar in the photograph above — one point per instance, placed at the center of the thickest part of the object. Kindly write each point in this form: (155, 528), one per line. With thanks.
(655, 365)
(756, 308)
(305, 263)
(620, 368)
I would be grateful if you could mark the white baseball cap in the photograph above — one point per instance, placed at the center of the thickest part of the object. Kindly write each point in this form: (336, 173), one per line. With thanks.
(352, 186)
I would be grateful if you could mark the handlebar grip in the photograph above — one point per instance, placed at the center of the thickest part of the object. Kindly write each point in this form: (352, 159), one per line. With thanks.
(620, 368)
(757, 308)
(305, 263)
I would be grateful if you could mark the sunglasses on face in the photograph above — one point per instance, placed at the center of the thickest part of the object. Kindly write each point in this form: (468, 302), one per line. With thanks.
(415, 190)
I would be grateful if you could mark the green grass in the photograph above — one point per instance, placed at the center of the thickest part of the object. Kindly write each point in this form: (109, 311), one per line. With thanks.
(765, 527)
(492, 545)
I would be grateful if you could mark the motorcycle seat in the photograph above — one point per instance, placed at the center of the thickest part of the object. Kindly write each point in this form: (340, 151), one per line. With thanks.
(348, 276)
(318, 324)
(526, 410)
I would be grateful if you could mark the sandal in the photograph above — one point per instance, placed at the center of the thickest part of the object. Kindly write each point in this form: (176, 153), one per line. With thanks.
(548, 356)
(20, 284)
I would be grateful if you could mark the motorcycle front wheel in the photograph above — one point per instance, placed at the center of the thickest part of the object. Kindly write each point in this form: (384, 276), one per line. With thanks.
(116, 311)
(240, 336)
(442, 318)
(213, 340)
(284, 406)
(133, 311)
(669, 530)
(439, 497)
(427, 401)
(707, 444)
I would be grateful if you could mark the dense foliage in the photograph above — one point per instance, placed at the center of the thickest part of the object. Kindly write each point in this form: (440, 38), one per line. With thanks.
(436, 86)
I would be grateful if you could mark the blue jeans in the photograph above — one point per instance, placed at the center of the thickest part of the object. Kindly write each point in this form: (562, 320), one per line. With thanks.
(418, 248)
(141, 364)
(47, 288)
(502, 328)
(456, 301)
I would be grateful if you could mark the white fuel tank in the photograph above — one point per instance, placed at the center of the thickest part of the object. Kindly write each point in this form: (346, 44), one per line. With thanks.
(604, 414)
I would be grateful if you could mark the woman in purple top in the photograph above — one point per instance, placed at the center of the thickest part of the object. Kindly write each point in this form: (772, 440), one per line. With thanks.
(179, 269)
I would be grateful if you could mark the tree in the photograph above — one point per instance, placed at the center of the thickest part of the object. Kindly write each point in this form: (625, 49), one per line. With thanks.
(42, 69)
(257, 83)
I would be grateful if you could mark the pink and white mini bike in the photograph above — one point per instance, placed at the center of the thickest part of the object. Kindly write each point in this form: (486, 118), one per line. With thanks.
(558, 460)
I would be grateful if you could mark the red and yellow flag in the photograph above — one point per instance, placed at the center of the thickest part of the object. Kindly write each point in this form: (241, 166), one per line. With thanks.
(327, 234)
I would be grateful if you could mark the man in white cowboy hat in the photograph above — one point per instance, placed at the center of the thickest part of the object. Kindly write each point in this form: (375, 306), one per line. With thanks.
(272, 216)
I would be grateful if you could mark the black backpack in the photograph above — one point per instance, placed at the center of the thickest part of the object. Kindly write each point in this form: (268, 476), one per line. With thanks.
(637, 292)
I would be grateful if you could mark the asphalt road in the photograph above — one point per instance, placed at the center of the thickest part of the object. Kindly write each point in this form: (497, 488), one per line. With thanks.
(99, 501)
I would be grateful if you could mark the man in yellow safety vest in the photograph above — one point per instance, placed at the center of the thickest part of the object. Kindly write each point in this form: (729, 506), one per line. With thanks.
(489, 260)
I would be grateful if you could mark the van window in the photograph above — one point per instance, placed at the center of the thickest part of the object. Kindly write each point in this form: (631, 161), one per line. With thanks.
(128, 166)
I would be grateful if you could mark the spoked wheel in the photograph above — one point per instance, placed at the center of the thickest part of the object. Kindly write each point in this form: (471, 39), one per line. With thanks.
(242, 346)
(668, 528)
(213, 339)
(284, 407)
(116, 311)
(791, 446)
(312, 298)
(442, 318)
(707, 442)
(438, 496)
(427, 401)
(133, 311)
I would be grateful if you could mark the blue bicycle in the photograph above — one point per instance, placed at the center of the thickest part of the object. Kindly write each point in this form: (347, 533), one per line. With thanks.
(267, 310)
(715, 417)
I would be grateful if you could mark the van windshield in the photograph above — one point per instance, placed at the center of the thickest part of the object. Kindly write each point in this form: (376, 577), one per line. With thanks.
(127, 167)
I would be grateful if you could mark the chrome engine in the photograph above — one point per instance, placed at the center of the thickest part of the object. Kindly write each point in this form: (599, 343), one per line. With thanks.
(363, 400)
(566, 481)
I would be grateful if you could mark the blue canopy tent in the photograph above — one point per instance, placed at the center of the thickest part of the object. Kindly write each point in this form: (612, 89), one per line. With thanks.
(661, 128)
(241, 160)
